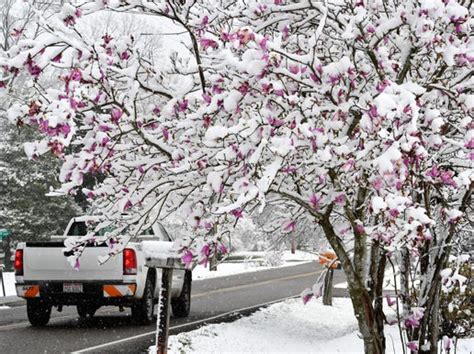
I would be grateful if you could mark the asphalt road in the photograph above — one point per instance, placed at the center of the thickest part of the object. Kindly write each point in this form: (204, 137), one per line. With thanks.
(210, 298)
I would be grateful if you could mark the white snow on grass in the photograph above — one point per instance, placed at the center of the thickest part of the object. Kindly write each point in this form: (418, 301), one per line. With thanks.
(289, 327)
(389, 280)
(252, 262)
(9, 278)
(4, 307)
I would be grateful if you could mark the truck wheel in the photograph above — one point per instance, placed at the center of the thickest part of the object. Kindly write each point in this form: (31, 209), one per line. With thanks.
(144, 310)
(182, 305)
(86, 311)
(38, 311)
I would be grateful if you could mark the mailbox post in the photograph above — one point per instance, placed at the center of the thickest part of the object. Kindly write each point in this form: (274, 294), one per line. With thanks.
(166, 265)
(2, 279)
(329, 261)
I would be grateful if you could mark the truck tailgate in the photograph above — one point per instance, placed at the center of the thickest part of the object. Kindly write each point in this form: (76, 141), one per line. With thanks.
(46, 261)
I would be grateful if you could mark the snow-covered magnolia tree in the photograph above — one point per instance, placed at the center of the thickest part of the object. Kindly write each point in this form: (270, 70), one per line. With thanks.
(359, 111)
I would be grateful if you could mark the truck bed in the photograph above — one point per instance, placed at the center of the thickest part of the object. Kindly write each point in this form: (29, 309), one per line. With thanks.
(46, 261)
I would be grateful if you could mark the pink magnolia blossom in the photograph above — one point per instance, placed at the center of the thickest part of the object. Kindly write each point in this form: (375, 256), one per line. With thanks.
(360, 229)
(16, 33)
(306, 298)
(314, 201)
(238, 213)
(116, 115)
(127, 206)
(390, 302)
(182, 105)
(75, 75)
(413, 319)
(447, 343)
(187, 259)
(77, 264)
(166, 134)
(275, 122)
(223, 249)
(413, 346)
(447, 178)
(373, 112)
(207, 43)
(340, 199)
(294, 69)
(289, 226)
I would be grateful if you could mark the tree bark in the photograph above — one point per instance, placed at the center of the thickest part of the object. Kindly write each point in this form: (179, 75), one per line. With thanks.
(213, 262)
(404, 278)
(365, 314)
(433, 330)
(361, 300)
(378, 296)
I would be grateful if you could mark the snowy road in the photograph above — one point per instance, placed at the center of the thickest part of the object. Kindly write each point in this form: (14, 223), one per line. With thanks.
(211, 297)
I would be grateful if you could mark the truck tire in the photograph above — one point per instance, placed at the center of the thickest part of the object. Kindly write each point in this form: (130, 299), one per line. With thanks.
(143, 311)
(181, 305)
(38, 311)
(86, 310)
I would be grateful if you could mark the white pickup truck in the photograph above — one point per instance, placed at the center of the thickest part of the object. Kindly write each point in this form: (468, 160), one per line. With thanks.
(45, 278)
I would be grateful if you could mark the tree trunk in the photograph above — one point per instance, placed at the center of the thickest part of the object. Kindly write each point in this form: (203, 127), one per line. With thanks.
(327, 295)
(365, 314)
(8, 254)
(293, 246)
(377, 292)
(433, 325)
(361, 300)
(404, 278)
(213, 263)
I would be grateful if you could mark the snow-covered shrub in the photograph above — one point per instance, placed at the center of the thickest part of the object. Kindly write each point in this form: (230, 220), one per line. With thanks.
(273, 258)
(456, 301)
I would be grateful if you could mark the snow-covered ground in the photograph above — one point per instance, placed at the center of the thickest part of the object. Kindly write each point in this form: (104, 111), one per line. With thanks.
(389, 280)
(9, 278)
(251, 262)
(289, 327)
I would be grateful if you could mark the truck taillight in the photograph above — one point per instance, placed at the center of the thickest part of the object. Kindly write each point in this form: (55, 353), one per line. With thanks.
(129, 262)
(19, 262)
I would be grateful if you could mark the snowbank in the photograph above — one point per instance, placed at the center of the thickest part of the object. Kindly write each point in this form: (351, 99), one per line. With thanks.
(9, 278)
(252, 263)
(289, 327)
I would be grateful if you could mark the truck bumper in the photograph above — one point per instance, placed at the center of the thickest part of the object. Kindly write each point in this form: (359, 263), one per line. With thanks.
(101, 293)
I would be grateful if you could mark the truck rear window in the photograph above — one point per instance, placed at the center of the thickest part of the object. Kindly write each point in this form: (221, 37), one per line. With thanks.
(77, 229)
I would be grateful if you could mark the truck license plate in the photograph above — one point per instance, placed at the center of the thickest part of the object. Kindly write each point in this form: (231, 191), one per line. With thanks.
(72, 288)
